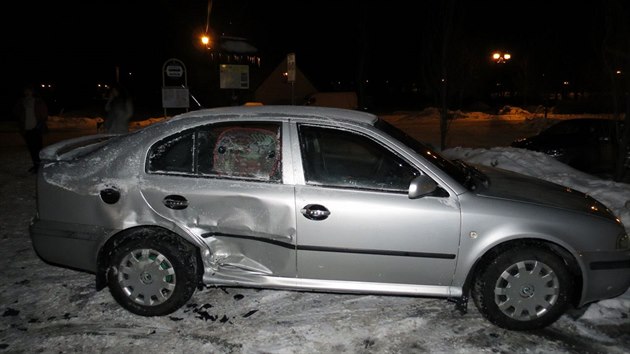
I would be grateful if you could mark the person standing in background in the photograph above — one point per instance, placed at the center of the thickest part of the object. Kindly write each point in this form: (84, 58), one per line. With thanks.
(32, 114)
(118, 110)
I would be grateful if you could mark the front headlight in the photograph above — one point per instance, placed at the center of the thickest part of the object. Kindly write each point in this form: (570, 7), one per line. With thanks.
(556, 153)
(623, 241)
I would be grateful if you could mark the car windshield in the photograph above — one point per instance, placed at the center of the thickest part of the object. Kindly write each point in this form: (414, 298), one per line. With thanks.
(567, 127)
(467, 175)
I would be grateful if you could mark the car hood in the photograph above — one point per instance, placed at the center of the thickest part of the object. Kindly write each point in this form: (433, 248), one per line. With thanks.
(543, 142)
(517, 187)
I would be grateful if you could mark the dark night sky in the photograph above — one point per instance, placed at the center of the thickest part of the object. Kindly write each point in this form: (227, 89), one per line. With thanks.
(81, 42)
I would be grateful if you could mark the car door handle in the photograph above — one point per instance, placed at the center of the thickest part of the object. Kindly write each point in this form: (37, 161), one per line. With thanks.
(176, 202)
(315, 212)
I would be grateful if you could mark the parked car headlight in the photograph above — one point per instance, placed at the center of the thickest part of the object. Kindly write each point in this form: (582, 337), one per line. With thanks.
(623, 241)
(556, 153)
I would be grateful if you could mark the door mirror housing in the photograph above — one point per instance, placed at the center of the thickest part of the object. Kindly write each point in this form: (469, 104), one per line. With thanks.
(422, 186)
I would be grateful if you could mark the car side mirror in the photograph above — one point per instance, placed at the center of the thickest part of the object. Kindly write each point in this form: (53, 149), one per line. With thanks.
(421, 186)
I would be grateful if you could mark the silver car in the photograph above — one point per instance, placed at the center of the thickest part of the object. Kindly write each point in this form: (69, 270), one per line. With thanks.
(311, 198)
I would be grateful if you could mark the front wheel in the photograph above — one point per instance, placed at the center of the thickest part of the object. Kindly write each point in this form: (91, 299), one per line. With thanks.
(523, 289)
(153, 275)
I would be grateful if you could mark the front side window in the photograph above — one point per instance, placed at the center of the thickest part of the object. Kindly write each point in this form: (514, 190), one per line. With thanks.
(339, 158)
(458, 171)
(242, 151)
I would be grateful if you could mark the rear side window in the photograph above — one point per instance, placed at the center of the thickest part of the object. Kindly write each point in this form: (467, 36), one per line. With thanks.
(173, 154)
(246, 151)
(235, 151)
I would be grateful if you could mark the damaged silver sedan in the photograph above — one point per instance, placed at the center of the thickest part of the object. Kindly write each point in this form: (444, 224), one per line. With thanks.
(318, 199)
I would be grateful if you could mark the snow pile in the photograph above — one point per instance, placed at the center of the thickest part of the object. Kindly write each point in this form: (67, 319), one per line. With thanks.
(513, 110)
(86, 123)
(72, 123)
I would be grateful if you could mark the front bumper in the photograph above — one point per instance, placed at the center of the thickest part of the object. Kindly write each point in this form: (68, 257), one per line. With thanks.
(607, 275)
(67, 244)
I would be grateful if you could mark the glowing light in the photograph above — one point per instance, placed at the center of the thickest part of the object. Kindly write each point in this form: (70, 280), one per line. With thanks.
(500, 57)
(205, 40)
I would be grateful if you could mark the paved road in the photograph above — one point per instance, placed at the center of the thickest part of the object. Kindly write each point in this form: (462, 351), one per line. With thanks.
(474, 133)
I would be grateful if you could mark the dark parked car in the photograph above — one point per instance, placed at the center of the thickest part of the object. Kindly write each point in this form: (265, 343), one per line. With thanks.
(313, 198)
(586, 144)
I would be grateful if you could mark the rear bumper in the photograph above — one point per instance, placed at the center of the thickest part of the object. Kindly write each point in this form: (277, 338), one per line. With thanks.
(67, 244)
(607, 275)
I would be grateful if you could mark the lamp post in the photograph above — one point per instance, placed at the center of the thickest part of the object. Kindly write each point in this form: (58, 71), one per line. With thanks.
(500, 57)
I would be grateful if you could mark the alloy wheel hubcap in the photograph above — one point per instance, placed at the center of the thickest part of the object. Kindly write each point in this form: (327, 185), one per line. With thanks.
(147, 277)
(527, 290)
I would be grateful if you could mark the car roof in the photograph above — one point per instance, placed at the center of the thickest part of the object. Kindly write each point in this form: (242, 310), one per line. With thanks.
(336, 114)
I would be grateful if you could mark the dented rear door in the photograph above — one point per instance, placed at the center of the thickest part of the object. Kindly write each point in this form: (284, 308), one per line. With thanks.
(237, 196)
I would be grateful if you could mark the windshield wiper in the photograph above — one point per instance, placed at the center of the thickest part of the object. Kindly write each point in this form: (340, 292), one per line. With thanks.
(472, 175)
(480, 175)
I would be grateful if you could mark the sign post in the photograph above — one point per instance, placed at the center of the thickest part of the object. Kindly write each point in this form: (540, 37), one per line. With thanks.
(174, 85)
(232, 76)
(291, 75)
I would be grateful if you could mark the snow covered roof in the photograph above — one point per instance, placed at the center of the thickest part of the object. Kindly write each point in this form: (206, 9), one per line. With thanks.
(285, 111)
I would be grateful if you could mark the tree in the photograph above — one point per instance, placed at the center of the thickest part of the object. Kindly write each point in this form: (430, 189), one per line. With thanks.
(616, 55)
(436, 56)
(363, 55)
(447, 26)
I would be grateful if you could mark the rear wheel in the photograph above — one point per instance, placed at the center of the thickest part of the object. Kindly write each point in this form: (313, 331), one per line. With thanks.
(523, 289)
(153, 275)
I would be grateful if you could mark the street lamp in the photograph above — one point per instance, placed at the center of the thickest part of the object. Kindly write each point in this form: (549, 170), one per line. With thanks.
(205, 40)
(500, 57)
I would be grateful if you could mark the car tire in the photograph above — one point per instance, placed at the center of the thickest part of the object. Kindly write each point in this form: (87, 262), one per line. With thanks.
(154, 274)
(523, 289)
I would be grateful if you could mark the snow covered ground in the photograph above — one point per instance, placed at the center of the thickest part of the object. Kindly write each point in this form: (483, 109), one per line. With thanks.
(54, 310)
